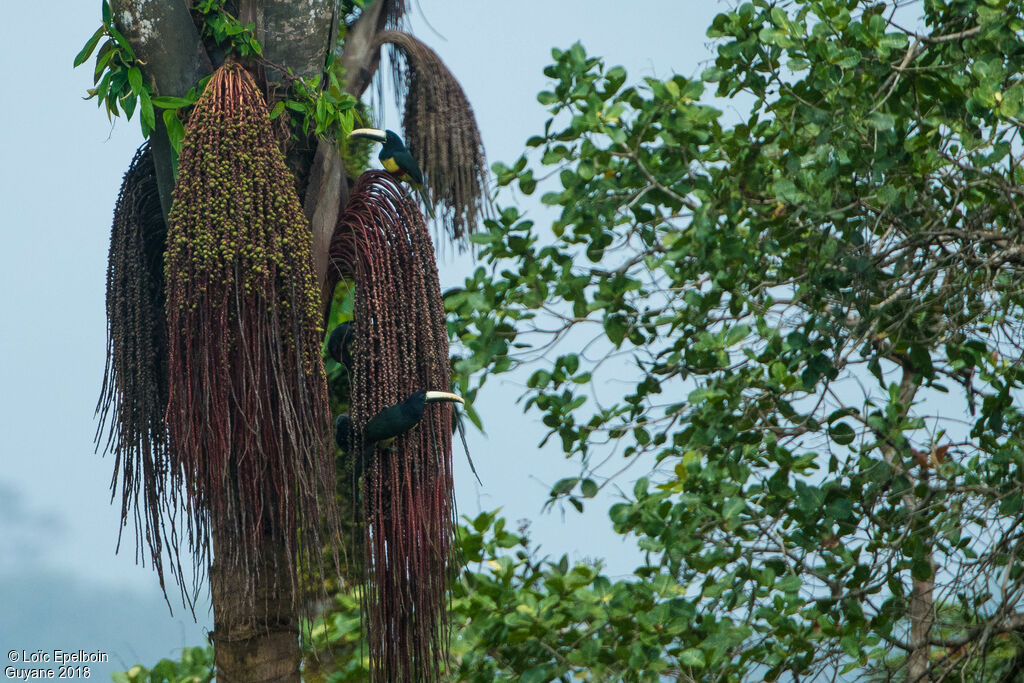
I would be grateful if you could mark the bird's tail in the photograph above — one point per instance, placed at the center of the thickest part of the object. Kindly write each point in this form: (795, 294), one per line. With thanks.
(427, 206)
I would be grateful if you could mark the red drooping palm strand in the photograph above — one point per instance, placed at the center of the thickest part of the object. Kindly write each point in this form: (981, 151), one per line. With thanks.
(247, 414)
(400, 346)
(133, 399)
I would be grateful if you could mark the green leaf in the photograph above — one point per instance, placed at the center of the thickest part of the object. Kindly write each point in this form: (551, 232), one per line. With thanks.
(787, 191)
(122, 43)
(789, 584)
(733, 507)
(148, 117)
(615, 327)
(90, 45)
(881, 121)
(128, 104)
(736, 334)
(563, 486)
(175, 134)
(894, 41)
(842, 433)
(692, 657)
(851, 646)
(135, 80)
(165, 102)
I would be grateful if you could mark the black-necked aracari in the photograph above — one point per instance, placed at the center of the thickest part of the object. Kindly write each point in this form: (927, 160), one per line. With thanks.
(339, 345)
(389, 423)
(397, 160)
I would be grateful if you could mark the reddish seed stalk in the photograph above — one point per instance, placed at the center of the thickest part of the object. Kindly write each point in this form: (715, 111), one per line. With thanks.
(401, 346)
(247, 412)
(134, 394)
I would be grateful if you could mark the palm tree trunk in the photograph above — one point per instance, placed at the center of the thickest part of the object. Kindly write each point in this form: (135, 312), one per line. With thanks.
(255, 637)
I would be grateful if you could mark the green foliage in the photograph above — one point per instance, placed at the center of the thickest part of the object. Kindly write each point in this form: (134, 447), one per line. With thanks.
(330, 112)
(226, 30)
(326, 111)
(195, 666)
(806, 303)
(530, 618)
(526, 618)
(117, 77)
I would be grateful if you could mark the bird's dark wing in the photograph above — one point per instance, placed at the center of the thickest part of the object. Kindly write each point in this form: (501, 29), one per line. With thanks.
(393, 421)
(408, 164)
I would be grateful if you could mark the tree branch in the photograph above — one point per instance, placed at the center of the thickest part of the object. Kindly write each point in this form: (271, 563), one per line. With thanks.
(326, 193)
(361, 54)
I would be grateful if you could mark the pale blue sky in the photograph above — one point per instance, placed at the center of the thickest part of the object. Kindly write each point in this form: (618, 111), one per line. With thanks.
(60, 583)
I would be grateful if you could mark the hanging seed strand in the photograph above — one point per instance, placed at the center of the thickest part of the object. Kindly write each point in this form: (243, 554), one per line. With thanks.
(441, 132)
(133, 397)
(400, 346)
(247, 412)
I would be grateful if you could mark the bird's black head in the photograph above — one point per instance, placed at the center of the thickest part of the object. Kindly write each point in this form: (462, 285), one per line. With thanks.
(392, 142)
(339, 344)
(343, 432)
(415, 404)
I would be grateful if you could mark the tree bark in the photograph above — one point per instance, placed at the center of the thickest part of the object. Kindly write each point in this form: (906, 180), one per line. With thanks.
(326, 193)
(299, 35)
(327, 189)
(921, 610)
(173, 59)
(922, 617)
(256, 630)
(361, 55)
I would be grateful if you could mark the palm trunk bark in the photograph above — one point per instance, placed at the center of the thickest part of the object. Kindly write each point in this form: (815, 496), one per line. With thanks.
(255, 637)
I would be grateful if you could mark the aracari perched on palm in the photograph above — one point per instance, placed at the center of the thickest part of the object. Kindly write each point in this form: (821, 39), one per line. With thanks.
(397, 160)
(389, 422)
(384, 427)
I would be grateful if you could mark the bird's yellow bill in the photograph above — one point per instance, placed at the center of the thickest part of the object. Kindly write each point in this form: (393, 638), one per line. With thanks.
(435, 396)
(372, 133)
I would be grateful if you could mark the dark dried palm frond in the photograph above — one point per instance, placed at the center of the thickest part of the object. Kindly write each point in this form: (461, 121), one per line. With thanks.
(441, 133)
(133, 399)
(247, 413)
(400, 346)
